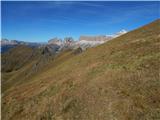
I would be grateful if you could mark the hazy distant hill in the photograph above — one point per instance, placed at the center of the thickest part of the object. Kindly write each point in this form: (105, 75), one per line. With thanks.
(8, 44)
(118, 80)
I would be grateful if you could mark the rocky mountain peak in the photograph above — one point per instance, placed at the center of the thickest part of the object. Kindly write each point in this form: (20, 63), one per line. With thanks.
(56, 41)
(123, 31)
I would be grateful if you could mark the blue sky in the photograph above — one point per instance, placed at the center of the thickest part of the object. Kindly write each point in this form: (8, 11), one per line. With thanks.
(41, 21)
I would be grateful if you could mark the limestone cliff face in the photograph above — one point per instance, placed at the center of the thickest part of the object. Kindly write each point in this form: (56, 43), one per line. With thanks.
(55, 41)
(93, 38)
(102, 37)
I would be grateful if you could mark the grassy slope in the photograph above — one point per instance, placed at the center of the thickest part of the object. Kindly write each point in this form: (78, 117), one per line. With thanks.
(22, 63)
(116, 80)
(21, 55)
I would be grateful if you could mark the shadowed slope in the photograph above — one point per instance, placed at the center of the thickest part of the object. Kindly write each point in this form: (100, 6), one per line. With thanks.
(16, 58)
(116, 80)
(22, 63)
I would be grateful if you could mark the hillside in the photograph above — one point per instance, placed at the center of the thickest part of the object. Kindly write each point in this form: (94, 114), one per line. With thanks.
(118, 80)
(24, 62)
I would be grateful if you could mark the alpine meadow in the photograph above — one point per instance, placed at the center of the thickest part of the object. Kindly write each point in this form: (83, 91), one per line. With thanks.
(97, 77)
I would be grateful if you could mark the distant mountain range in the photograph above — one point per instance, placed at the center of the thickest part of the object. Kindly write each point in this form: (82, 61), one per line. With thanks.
(59, 44)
